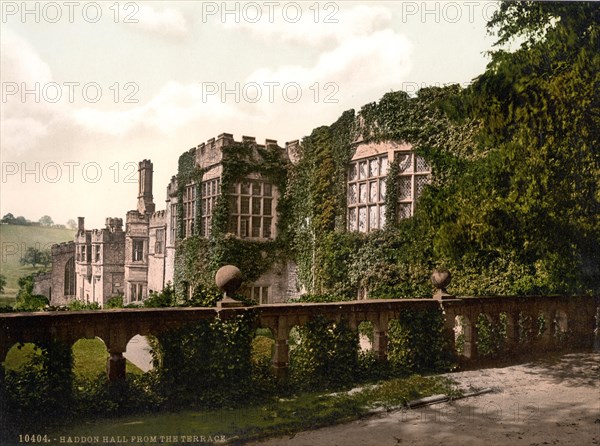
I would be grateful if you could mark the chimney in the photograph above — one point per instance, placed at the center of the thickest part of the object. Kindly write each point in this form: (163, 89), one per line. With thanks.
(81, 223)
(145, 198)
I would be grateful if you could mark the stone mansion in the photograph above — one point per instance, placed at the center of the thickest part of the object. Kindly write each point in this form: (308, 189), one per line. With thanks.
(138, 257)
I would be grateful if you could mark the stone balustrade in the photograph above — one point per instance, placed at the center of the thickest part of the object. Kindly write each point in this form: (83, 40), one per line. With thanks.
(572, 315)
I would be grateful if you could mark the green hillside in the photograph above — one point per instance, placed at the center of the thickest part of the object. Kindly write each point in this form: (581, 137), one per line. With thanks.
(14, 240)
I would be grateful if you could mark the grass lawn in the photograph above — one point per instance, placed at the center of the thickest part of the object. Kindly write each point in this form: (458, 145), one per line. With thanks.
(89, 357)
(14, 240)
(280, 417)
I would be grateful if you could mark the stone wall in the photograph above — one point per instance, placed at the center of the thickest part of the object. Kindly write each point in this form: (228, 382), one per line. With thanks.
(576, 317)
(61, 254)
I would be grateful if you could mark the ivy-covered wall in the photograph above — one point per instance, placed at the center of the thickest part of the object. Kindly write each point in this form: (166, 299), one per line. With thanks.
(461, 220)
(198, 258)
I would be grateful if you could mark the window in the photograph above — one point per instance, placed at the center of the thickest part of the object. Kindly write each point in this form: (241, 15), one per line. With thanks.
(136, 292)
(138, 251)
(258, 294)
(367, 189)
(414, 175)
(159, 243)
(366, 194)
(173, 223)
(189, 210)
(96, 253)
(69, 284)
(251, 209)
(88, 251)
(211, 190)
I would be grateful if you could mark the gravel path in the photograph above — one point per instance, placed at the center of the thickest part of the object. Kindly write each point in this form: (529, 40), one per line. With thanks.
(553, 401)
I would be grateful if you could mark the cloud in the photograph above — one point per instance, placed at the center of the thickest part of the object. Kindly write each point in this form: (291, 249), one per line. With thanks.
(20, 61)
(167, 22)
(175, 106)
(330, 26)
(24, 119)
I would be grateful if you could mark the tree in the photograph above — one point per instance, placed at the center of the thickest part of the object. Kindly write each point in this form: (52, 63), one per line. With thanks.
(46, 257)
(2, 283)
(8, 219)
(531, 203)
(72, 224)
(33, 257)
(46, 220)
(26, 300)
(20, 220)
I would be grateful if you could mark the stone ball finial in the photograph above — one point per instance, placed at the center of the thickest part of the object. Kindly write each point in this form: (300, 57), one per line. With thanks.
(440, 278)
(229, 279)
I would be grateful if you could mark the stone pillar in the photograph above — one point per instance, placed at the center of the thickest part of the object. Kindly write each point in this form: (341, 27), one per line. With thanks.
(512, 332)
(380, 342)
(115, 366)
(448, 330)
(116, 343)
(281, 350)
(470, 347)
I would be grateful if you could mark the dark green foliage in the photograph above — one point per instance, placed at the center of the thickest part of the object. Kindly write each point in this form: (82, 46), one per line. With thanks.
(324, 355)
(26, 300)
(490, 336)
(114, 302)
(166, 298)
(34, 256)
(2, 283)
(206, 364)
(78, 305)
(416, 343)
(100, 397)
(43, 388)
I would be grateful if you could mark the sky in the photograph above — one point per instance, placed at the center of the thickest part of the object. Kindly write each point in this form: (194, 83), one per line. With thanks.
(89, 89)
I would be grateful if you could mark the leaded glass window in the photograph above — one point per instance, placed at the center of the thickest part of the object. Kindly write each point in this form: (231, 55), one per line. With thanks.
(366, 193)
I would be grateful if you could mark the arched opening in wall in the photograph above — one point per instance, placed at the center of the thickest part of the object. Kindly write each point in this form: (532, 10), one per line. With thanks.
(263, 344)
(561, 326)
(20, 356)
(526, 327)
(365, 336)
(139, 354)
(89, 358)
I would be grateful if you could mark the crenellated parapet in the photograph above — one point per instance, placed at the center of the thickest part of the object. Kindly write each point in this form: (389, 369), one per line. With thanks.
(158, 218)
(63, 248)
(210, 152)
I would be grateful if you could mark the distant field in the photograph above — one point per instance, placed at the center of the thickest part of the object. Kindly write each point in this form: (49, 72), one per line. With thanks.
(14, 240)
(89, 358)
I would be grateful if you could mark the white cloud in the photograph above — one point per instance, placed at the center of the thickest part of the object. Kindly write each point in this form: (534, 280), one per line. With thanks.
(175, 106)
(168, 22)
(331, 26)
(360, 67)
(20, 61)
(24, 118)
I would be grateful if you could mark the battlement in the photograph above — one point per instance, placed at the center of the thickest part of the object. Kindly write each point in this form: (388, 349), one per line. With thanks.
(210, 153)
(137, 217)
(158, 218)
(63, 248)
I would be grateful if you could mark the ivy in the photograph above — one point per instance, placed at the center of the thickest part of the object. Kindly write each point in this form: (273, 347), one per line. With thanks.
(198, 258)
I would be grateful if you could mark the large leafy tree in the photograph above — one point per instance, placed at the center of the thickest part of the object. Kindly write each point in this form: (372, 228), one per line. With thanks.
(531, 204)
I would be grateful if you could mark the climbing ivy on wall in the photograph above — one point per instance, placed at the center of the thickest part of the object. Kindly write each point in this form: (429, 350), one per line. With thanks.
(331, 260)
(197, 258)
